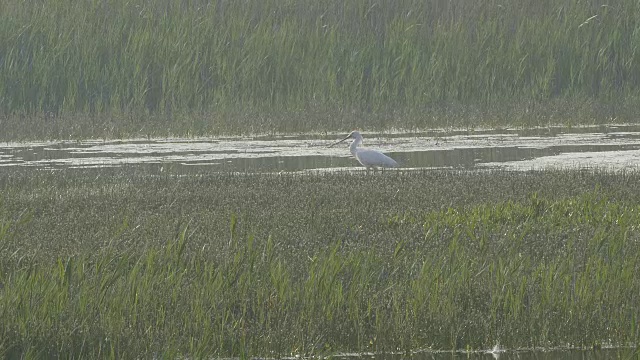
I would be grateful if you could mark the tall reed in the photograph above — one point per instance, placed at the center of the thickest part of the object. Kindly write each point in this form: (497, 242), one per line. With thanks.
(248, 57)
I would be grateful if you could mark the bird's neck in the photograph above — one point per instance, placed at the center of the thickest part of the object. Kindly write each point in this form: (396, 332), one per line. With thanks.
(354, 146)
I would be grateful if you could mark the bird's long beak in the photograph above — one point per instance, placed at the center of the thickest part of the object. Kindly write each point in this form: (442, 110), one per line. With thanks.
(334, 144)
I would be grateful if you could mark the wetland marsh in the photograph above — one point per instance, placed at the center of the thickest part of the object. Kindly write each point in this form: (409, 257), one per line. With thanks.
(121, 261)
(166, 189)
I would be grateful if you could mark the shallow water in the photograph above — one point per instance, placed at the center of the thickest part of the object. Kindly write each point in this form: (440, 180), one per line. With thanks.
(612, 147)
(502, 354)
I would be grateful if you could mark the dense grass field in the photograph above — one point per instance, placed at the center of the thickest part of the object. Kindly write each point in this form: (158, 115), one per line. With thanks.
(122, 68)
(124, 263)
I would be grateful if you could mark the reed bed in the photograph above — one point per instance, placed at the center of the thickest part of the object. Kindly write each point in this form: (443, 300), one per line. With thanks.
(123, 264)
(121, 68)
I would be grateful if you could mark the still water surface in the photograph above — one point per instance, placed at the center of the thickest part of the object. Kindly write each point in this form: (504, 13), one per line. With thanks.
(555, 354)
(613, 147)
(504, 354)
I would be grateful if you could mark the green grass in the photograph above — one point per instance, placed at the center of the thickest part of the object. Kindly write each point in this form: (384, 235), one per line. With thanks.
(120, 68)
(122, 264)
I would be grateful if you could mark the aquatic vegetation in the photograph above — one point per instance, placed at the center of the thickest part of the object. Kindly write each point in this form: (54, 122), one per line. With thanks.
(124, 263)
(119, 68)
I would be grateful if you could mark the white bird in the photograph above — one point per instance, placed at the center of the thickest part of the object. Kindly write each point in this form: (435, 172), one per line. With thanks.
(371, 159)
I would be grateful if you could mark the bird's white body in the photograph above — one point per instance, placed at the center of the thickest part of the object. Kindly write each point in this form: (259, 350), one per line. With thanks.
(371, 159)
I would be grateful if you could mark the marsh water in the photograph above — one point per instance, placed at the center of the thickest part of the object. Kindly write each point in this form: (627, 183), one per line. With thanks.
(502, 354)
(612, 147)
(523, 354)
